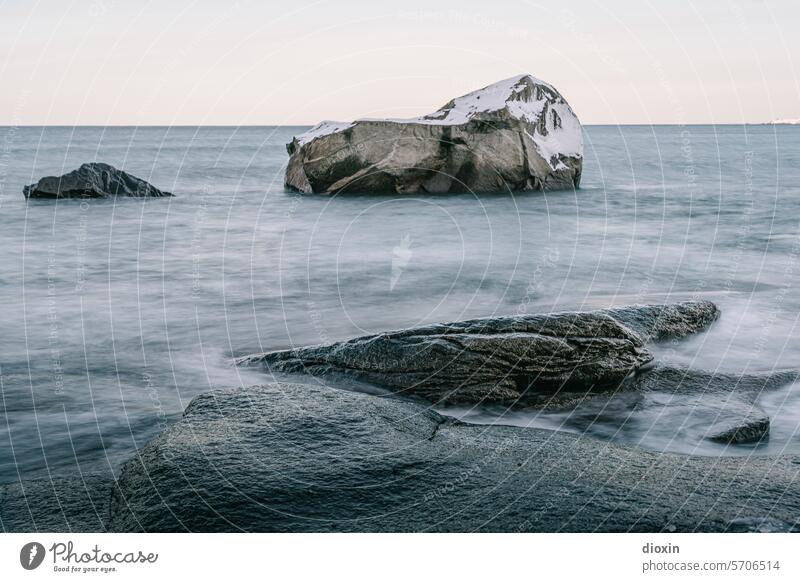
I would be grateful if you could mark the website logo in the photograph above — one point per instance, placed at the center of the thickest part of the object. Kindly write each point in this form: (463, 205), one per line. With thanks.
(31, 555)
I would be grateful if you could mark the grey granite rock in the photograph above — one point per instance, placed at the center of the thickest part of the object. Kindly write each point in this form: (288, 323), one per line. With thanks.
(548, 360)
(93, 180)
(289, 457)
(661, 322)
(515, 135)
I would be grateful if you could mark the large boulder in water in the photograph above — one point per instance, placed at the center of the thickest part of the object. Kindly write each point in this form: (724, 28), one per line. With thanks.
(516, 135)
(93, 180)
(538, 360)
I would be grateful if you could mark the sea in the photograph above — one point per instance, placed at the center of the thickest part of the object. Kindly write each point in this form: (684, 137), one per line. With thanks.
(115, 313)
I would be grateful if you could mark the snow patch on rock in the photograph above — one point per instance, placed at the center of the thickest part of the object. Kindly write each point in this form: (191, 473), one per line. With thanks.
(321, 129)
(492, 98)
(524, 97)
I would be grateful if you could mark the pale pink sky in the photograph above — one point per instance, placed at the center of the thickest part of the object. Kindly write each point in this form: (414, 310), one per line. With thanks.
(245, 62)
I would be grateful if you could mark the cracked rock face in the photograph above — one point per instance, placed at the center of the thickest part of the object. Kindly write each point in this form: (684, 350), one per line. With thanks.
(94, 180)
(515, 135)
(539, 360)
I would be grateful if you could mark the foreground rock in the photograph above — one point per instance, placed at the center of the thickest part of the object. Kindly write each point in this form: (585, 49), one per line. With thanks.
(540, 360)
(762, 525)
(516, 135)
(94, 180)
(287, 457)
(78, 503)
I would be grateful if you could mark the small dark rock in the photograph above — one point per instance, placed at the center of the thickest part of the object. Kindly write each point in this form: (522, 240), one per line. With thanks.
(94, 180)
(752, 427)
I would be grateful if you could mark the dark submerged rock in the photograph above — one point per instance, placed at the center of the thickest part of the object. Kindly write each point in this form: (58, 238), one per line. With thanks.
(288, 457)
(93, 180)
(731, 398)
(751, 427)
(540, 360)
(746, 387)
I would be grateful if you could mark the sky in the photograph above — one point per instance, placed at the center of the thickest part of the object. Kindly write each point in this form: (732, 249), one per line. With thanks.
(240, 62)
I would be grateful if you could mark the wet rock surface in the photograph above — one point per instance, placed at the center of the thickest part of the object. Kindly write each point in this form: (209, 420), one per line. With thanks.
(547, 360)
(287, 457)
(661, 409)
(762, 525)
(670, 321)
(752, 426)
(77, 503)
(310, 457)
(515, 135)
(735, 417)
(93, 180)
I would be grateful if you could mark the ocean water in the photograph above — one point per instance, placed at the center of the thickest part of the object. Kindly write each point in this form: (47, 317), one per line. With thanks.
(116, 313)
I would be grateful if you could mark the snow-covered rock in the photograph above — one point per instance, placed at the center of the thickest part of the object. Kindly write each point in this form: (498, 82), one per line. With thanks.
(515, 135)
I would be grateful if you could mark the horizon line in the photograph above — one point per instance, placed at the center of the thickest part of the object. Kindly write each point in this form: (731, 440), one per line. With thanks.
(156, 125)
